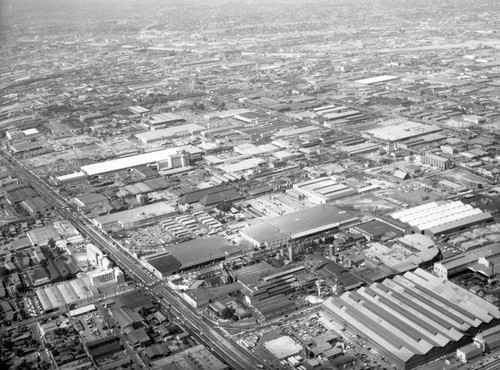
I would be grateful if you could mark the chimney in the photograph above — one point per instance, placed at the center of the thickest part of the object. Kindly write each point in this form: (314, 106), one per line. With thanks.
(331, 250)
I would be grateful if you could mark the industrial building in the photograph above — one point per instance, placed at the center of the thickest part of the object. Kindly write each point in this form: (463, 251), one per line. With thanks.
(189, 255)
(362, 148)
(124, 163)
(89, 200)
(210, 197)
(283, 347)
(265, 288)
(159, 121)
(168, 133)
(137, 109)
(55, 297)
(477, 259)
(443, 217)
(321, 190)
(376, 229)
(109, 276)
(437, 161)
(413, 318)
(241, 166)
(36, 206)
(405, 254)
(376, 80)
(42, 235)
(392, 133)
(136, 217)
(298, 226)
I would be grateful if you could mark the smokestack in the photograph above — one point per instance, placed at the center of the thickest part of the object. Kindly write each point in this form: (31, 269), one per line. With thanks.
(290, 253)
(331, 250)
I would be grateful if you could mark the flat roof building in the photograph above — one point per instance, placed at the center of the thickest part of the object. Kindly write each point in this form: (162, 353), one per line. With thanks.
(401, 131)
(188, 255)
(124, 163)
(162, 120)
(376, 80)
(276, 231)
(170, 132)
(41, 236)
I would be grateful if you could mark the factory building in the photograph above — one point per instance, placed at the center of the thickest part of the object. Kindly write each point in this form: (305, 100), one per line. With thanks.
(477, 259)
(169, 133)
(400, 131)
(63, 295)
(159, 121)
(101, 168)
(320, 191)
(189, 255)
(441, 218)
(413, 318)
(300, 227)
(437, 161)
(89, 200)
(265, 288)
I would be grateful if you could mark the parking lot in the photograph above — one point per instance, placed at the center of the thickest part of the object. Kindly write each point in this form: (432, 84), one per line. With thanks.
(91, 326)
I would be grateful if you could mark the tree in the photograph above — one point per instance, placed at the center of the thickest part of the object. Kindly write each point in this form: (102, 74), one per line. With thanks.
(51, 243)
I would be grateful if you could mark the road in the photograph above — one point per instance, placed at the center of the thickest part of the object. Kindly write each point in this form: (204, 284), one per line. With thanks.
(230, 352)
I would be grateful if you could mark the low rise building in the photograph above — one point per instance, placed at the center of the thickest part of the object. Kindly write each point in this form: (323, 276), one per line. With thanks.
(437, 161)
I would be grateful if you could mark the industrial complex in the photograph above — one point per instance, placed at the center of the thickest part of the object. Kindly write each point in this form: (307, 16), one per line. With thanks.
(413, 318)
(278, 185)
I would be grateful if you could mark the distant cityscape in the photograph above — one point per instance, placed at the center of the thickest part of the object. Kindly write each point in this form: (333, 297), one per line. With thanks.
(280, 184)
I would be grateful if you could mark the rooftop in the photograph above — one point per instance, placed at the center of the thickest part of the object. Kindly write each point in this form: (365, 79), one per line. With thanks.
(283, 347)
(412, 314)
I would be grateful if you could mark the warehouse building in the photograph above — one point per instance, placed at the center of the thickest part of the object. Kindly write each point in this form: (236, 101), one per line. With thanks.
(42, 235)
(169, 133)
(376, 230)
(159, 121)
(392, 133)
(89, 200)
(414, 318)
(300, 227)
(124, 163)
(488, 339)
(136, 217)
(376, 80)
(63, 295)
(36, 206)
(189, 255)
(320, 191)
(443, 217)
(137, 109)
(469, 259)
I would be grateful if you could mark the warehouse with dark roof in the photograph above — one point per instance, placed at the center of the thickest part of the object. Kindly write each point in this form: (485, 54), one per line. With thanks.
(189, 255)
